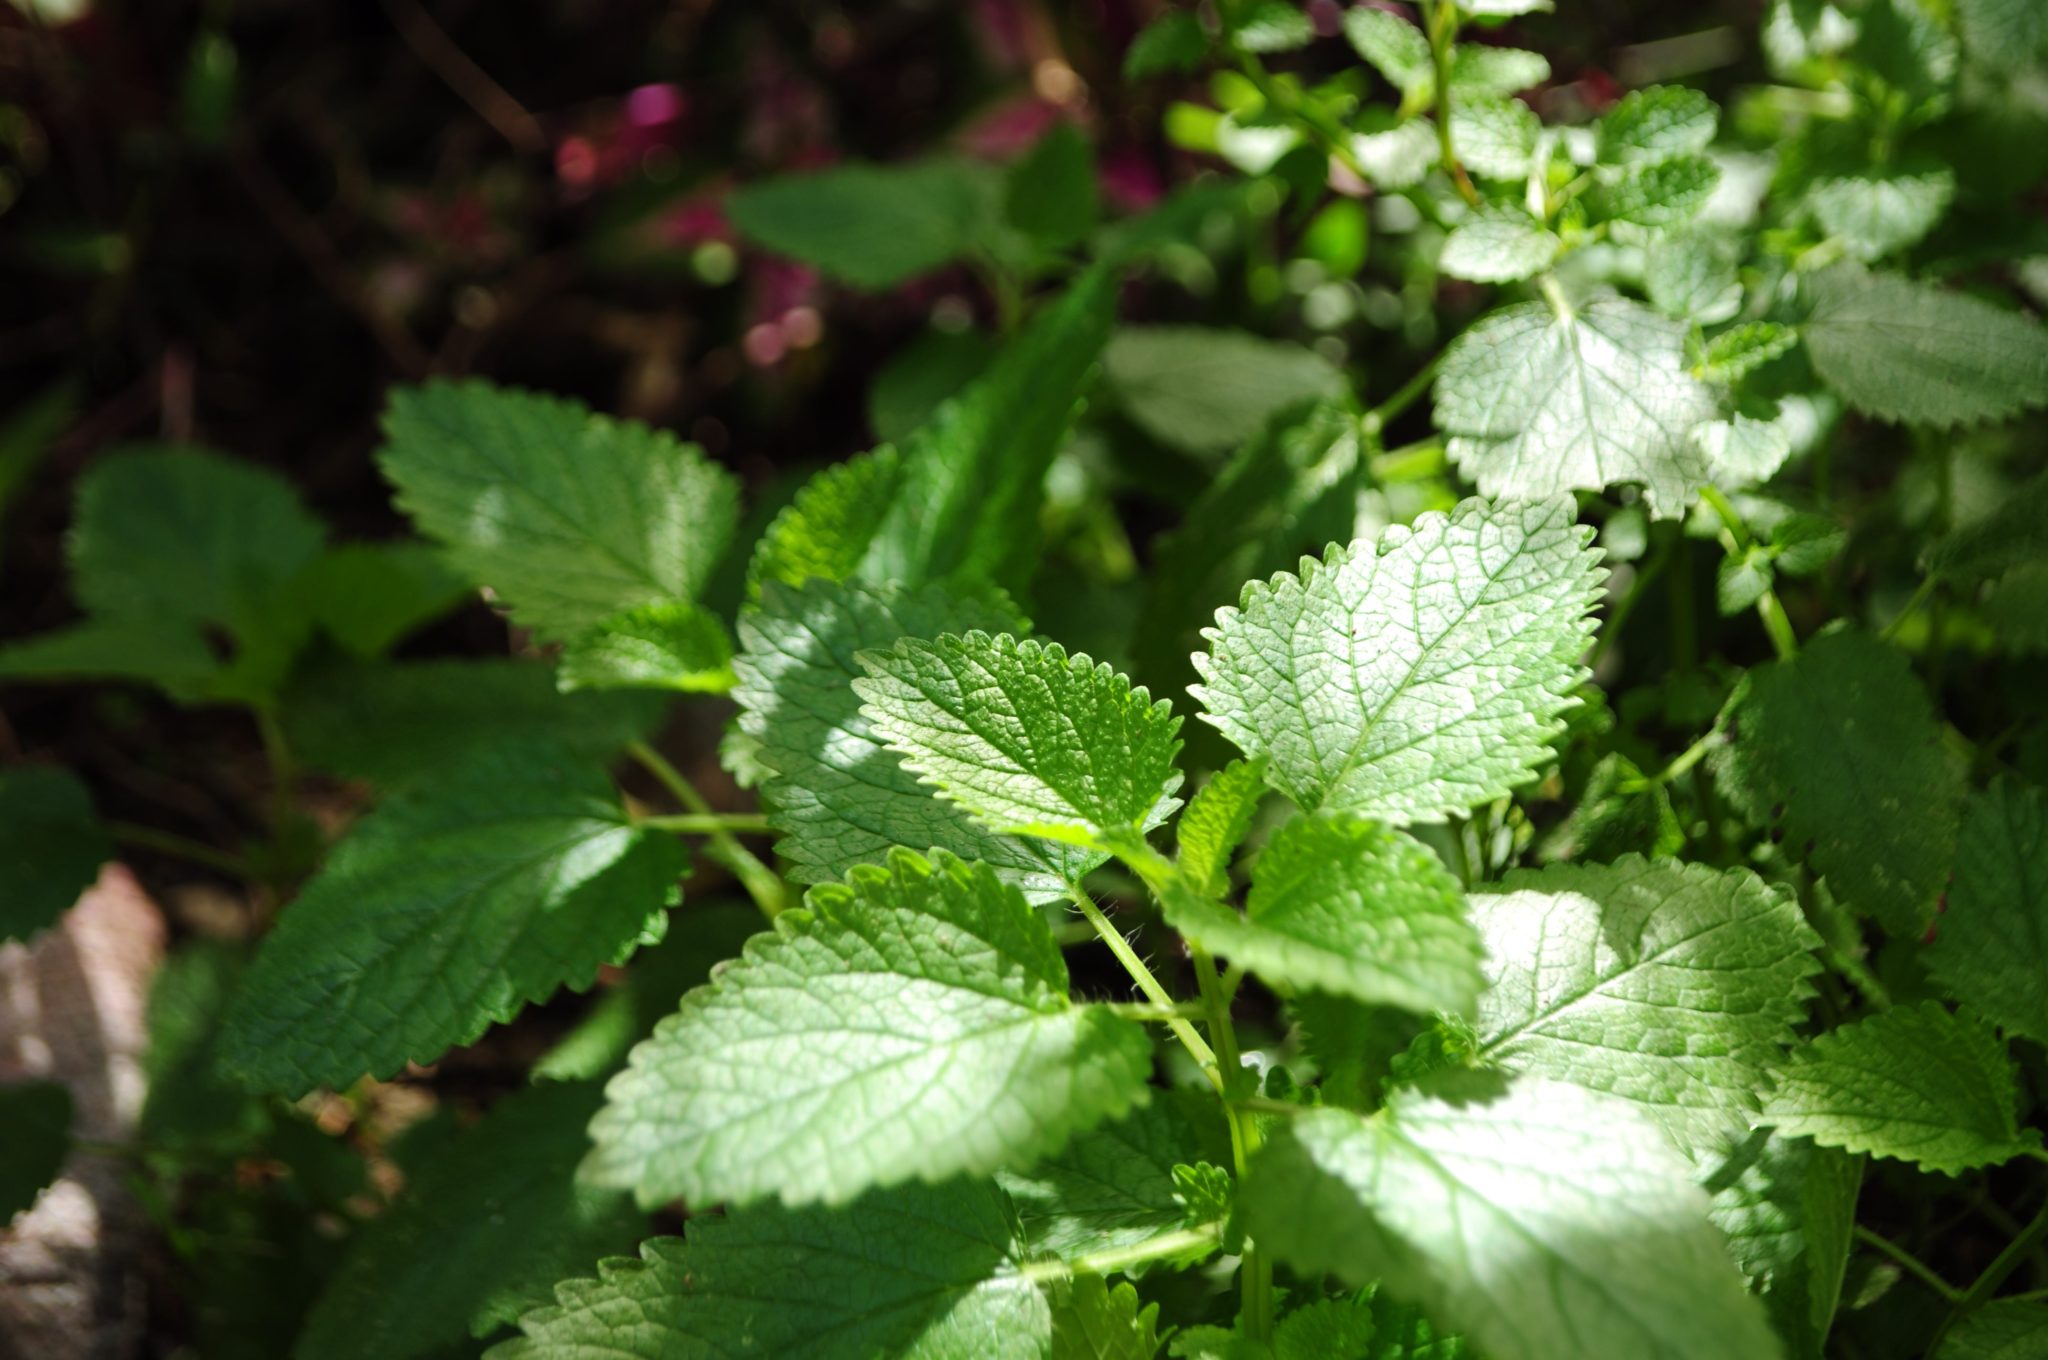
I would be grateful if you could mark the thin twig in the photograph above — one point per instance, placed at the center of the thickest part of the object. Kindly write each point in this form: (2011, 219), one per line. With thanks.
(432, 45)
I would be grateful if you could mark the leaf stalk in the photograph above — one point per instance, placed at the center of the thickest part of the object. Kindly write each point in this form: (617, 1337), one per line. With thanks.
(761, 883)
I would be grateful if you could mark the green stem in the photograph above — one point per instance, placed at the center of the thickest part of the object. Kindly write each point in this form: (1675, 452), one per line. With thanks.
(1256, 1281)
(180, 847)
(1920, 596)
(1778, 624)
(283, 773)
(1331, 136)
(1768, 607)
(2004, 1264)
(1440, 20)
(1203, 1055)
(761, 882)
(1840, 941)
(1145, 1010)
(1179, 1242)
(1686, 759)
(1553, 293)
(708, 824)
(1410, 462)
(1405, 396)
(1617, 618)
(1912, 1264)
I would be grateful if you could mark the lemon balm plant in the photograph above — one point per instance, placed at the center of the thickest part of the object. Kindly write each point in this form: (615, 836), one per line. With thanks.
(1602, 915)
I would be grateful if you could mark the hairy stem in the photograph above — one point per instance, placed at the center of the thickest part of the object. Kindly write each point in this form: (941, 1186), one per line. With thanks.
(1912, 1264)
(180, 847)
(1179, 1242)
(2004, 1264)
(761, 882)
(1256, 1282)
(1441, 22)
(709, 824)
(1146, 982)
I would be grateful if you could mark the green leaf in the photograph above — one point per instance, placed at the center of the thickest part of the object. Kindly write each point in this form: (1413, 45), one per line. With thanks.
(873, 226)
(1343, 905)
(2014, 531)
(1902, 350)
(191, 1104)
(175, 533)
(2005, 1329)
(2003, 34)
(1694, 274)
(1672, 985)
(367, 596)
(1743, 451)
(1091, 1321)
(1112, 1186)
(164, 652)
(1498, 245)
(673, 645)
(1915, 1082)
(1879, 212)
(487, 1223)
(1538, 1219)
(1396, 48)
(1289, 491)
(1205, 391)
(397, 723)
(1273, 26)
(1503, 8)
(1414, 677)
(628, 1010)
(1656, 124)
(837, 794)
(922, 376)
(1788, 1210)
(1338, 237)
(1664, 193)
(1618, 811)
(1215, 824)
(913, 1273)
(1324, 1329)
(1908, 49)
(1026, 738)
(1991, 945)
(171, 541)
(1741, 580)
(1537, 403)
(2016, 609)
(1050, 194)
(1495, 138)
(1838, 750)
(52, 844)
(1172, 43)
(960, 501)
(967, 1056)
(37, 1117)
(1495, 72)
(448, 908)
(569, 517)
(1398, 155)
(1739, 351)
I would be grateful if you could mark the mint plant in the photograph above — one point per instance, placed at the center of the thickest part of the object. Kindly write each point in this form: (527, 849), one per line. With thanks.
(1599, 906)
